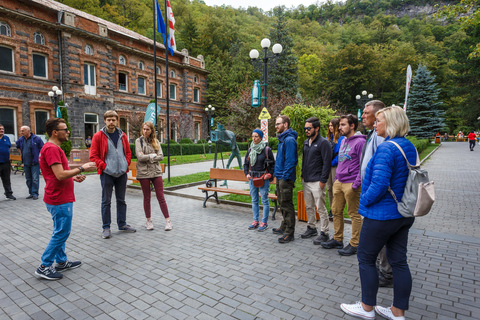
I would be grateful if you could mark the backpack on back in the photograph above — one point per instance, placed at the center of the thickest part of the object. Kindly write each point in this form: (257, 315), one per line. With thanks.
(419, 192)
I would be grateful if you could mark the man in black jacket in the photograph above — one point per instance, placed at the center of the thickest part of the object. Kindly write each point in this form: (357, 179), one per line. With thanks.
(317, 160)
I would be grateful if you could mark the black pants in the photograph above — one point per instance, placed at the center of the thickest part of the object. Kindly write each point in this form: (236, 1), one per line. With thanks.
(5, 169)
(285, 200)
(472, 144)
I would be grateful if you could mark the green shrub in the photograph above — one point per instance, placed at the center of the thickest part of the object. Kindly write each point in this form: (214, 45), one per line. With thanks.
(273, 142)
(186, 140)
(202, 141)
(420, 144)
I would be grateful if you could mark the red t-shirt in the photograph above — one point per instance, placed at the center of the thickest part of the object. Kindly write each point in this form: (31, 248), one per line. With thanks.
(56, 191)
(472, 136)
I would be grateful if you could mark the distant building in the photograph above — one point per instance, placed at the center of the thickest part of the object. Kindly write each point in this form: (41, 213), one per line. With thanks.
(98, 65)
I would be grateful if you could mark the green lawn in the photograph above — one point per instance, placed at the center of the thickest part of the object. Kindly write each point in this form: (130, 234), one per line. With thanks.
(427, 151)
(175, 181)
(174, 160)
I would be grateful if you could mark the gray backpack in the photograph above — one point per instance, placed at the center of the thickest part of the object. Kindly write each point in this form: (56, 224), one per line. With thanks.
(419, 193)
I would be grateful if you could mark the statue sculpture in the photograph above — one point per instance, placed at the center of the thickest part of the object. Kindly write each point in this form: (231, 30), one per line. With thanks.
(221, 136)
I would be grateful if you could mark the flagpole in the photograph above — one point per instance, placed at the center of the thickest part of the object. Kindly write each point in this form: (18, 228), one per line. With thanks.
(167, 91)
(155, 62)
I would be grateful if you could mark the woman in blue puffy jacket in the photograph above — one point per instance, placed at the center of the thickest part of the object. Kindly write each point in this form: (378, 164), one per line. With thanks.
(383, 224)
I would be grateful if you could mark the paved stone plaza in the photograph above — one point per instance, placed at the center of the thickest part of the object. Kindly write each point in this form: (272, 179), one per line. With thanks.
(211, 267)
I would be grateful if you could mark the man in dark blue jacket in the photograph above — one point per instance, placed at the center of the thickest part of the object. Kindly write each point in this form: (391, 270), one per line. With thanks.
(5, 166)
(285, 172)
(30, 146)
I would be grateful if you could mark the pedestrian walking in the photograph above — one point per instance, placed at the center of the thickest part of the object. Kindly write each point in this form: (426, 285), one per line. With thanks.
(58, 198)
(29, 146)
(149, 153)
(5, 166)
(111, 152)
(383, 224)
(471, 139)
(259, 167)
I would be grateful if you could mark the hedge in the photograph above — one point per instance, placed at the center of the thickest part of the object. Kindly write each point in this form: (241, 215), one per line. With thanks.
(420, 144)
(191, 148)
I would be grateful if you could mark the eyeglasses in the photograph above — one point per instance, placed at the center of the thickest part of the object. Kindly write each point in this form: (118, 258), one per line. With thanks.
(66, 130)
(308, 128)
(277, 124)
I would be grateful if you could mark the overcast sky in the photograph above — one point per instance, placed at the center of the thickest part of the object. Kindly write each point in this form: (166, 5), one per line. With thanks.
(265, 4)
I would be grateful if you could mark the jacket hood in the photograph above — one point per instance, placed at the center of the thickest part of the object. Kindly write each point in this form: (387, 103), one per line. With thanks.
(356, 137)
(104, 130)
(288, 132)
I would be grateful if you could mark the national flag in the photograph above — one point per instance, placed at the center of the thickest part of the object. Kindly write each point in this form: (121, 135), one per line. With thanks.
(161, 29)
(171, 24)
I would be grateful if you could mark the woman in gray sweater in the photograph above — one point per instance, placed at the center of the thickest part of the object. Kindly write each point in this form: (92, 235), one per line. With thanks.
(149, 153)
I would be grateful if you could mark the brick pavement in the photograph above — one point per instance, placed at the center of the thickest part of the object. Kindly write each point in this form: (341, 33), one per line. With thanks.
(211, 267)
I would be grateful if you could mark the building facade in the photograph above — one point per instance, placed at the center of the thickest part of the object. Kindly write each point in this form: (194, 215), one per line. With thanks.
(98, 65)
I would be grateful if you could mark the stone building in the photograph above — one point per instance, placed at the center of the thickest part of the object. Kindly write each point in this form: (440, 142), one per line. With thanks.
(98, 65)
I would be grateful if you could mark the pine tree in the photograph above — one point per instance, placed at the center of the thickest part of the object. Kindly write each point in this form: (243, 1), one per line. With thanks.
(284, 77)
(426, 118)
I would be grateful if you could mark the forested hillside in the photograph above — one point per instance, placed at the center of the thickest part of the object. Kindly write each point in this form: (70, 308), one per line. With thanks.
(340, 49)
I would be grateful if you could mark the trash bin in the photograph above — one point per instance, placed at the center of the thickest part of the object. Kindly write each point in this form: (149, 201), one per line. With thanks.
(79, 156)
(437, 139)
(301, 212)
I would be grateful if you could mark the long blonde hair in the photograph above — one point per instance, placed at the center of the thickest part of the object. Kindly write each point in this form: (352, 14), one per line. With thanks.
(336, 133)
(153, 136)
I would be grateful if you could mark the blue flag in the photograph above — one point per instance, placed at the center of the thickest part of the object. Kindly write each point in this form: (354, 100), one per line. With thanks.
(161, 28)
(150, 113)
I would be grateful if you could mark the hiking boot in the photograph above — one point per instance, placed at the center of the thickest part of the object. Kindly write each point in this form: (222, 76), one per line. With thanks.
(106, 233)
(168, 225)
(330, 214)
(348, 250)
(254, 225)
(34, 198)
(387, 313)
(278, 231)
(332, 244)
(263, 227)
(127, 228)
(49, 273)
(311, 232)
(149, 225)
(356, 310)
(384, 281)
(11, 197)
(286, 238)
(323, 237)
(67, 265)
(29, 197)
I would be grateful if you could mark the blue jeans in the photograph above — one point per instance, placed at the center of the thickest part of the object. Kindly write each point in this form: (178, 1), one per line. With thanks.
(264, 195)
(62, 224)
(32, 174)
(108, 183)
(374, 235)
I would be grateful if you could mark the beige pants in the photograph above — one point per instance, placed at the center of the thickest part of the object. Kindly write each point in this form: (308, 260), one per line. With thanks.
(343, 193)
(331, 179)
(315, 197)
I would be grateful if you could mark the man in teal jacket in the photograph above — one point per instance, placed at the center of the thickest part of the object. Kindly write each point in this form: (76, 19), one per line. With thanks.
(285, 172)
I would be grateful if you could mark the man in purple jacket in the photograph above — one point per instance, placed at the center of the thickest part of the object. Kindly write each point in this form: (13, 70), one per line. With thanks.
(346, 188)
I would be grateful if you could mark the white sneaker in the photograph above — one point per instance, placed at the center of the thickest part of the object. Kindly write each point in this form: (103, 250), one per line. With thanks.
(168, 225)
(357, 310)
(149, 225)
(387, 313)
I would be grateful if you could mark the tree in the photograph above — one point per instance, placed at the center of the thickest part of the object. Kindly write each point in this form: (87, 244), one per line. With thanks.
(284, 77)
(66, 145)
(426, 118)
(189, 36)
(184, 124)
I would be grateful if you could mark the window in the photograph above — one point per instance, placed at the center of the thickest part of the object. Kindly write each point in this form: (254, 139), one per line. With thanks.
(197, 131)
(122, 60)
(196, 95)
(160, 131)
(173, 131)
(6, 31)
(9, 122)
(88, 49)
(89, 78)
(172, 74)
(6, 59)
(141, 85)
(141, 65)
(41, 117)
(173, 92)
(91, 124)
(39, 65)
(122, 81)
(195, 79)
(159, 71)
(158, 87)
(124, 125)
(38, 38)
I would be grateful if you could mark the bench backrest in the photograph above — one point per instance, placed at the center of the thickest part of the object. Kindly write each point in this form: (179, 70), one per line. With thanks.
(133, 168)
(229, 174)
(15, 157)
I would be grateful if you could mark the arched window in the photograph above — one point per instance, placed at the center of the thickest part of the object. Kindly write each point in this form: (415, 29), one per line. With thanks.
(172, 74)
(141, 65)
(159, 71)
(5, 29)
(38, 38)
(122, 60)
(88, 49)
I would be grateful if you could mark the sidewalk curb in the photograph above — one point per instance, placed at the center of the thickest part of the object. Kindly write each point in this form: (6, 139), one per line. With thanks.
(428, 155)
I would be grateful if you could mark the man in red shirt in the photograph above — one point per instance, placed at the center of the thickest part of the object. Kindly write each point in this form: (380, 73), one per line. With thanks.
(59, 198)
(471, 139)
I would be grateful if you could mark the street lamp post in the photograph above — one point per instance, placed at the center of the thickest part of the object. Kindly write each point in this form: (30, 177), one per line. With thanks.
(209, 110)
(254, 54)
(362, 100)
(55, 97)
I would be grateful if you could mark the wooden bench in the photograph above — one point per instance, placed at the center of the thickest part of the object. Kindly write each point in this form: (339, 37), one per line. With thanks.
(232, 175)
(17, 165)
(133, 169)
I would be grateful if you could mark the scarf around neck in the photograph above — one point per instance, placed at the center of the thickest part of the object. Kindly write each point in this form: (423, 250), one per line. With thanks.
(256, 149)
